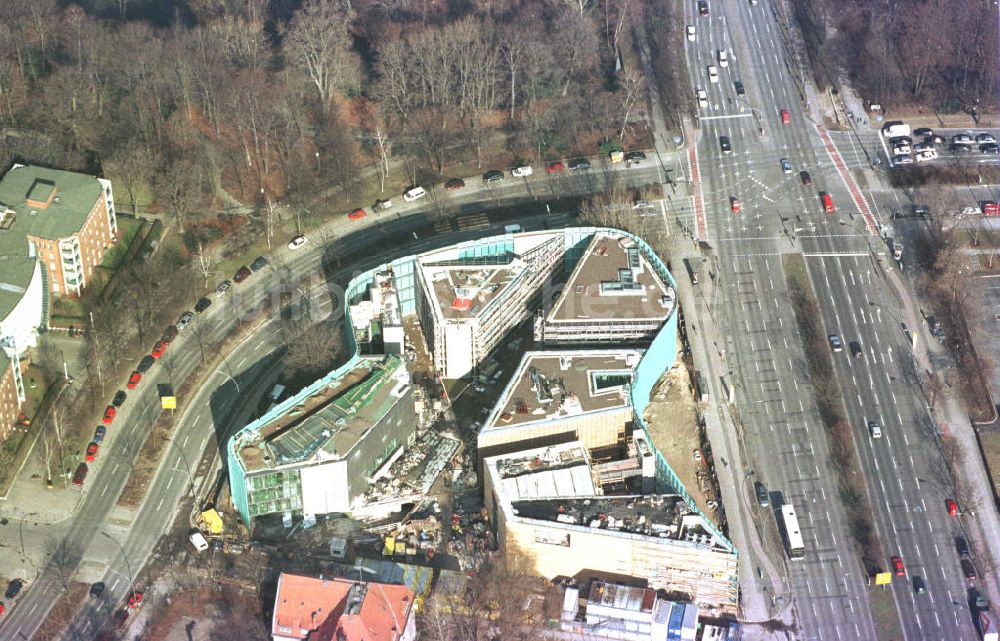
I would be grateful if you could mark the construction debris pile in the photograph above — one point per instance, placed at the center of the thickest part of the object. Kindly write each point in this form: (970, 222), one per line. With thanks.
(471, 539)
(416, 470)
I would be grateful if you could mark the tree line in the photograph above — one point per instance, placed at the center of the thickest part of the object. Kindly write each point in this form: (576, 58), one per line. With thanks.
(252, 100)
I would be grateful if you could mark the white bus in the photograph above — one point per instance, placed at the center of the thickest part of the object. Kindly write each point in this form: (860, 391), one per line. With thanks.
(793, 536)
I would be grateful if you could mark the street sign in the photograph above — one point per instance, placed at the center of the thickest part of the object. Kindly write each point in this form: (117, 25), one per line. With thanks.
(883, 578)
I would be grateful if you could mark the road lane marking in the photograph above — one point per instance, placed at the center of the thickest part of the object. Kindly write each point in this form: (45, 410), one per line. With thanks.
(159, 505)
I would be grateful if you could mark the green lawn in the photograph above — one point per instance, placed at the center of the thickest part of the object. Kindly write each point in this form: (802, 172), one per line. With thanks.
(128, 228)
(884, 614)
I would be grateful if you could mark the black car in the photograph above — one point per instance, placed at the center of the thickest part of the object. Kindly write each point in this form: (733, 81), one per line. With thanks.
(961, 546)
(634, 157)
(493, 176)
(703, 7)
(761, 493)
(968, 570)
(144, 365)
(918, 585)
(923, 131)
(921, 210)
(97, 589)
(13, 589)
(258, 263)
(856, 349)
(934, 140)
(119, 398)
(579, 163)
(806, 178)
(727, 147)
(202, 304)
(989, 148)
(959, 149)
(740, 89)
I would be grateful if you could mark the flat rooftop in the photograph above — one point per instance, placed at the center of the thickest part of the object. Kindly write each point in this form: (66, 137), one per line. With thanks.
(613, 280)
(330, 421)
(463, 291)
(664, 516)
(554, 471)
(554, 384)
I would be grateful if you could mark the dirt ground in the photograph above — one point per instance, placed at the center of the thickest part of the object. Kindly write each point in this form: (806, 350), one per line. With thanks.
(673, 425)
(990, 442)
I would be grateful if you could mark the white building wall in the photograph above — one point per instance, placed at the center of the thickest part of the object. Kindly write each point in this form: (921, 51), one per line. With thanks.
(19, 330)
(324, 488)
(458, 343)
(110, 200)
(410, 629)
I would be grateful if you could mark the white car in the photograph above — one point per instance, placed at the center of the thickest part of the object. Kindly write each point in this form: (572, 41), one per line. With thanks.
(297, 242)
(523, 170)
(874, 429)
(926, 154)
(414, 194)
(690, 33)
(902, 149)
(702, 97)
(723, 58)
(713, 74)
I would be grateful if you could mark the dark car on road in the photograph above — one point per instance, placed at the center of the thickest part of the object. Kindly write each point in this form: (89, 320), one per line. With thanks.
(144, 365)
(202, 304)
(579, 163)
(493, 176)
(961, 546)
(740, 89)
(634, 157)
(454, 184)
(242, 274)
(81, 474)
(856, 349)
(968, 570)
(761, 492)
(97, 589)
(169, 334)
(99, 434)
(13, 589)
(119, 398)
(725, 145)
(989, 148)
(703, 7)
(805, 177)
(258, 264)
(918, 585)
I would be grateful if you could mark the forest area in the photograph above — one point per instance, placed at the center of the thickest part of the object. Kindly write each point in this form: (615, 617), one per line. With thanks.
(179, 101)
(936, 53)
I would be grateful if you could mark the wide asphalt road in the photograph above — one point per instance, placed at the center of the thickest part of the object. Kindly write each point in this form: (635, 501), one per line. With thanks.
(95, 533)
(783, 432)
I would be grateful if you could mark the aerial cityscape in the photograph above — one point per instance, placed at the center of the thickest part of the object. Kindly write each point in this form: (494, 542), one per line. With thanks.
(499, 320)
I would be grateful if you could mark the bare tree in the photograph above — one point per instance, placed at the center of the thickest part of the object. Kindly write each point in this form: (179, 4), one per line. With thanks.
(205, 261)
(64, 555)
(318, 41)
(312, 349)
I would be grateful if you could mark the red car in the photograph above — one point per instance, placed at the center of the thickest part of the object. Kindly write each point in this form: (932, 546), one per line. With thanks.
(158, 349)
(453, 184)
(991, 209)
(109, 414)
(1, 608)
(734, 204)
(91, 452)
(133, 380)
(135, 600)
(242, 274)
(555, 167)
(785, 118)
(952, 507)
(357, 214)
(897, 566)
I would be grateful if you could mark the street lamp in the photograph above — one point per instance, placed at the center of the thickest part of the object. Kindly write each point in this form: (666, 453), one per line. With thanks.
(184, 458)
(128, 566)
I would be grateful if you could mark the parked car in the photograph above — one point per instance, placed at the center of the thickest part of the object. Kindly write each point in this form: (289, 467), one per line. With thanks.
(223, 287)
(109, 414)
(785, 117)
(169, 334)
(242, 274)
(968, 569)
(99, 434)
(120, 619)
(135, 599)
(184, 320)
(202, 304)
(97, 589)
(555, 167)
(762, 497)
(13, 589)
(961, 546)
(453, 184)
(297, 242)
(522, 172)
(382, 203)
(493, 176)
(579, 163)
(734, 205)
(634, 157)
(923, 131)
(144, 364)
(81, 474)
(962, 139)
(356, 214)
(952, 507)
(985, 137)
(989, 148)
(159, 349)
(133, 380)
(119, 398)
(414, 193)
(91, 452)
(258, 263)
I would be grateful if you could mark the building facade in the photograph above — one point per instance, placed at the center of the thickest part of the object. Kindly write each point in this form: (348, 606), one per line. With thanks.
(11, 395)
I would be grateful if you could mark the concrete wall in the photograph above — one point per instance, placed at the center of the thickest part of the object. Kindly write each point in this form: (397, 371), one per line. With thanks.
(23, 321)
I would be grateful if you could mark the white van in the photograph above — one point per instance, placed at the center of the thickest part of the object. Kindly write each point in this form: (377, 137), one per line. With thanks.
(523, 170)
(414, 194)
(895, 128)
(512, 229)
(198, 541)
